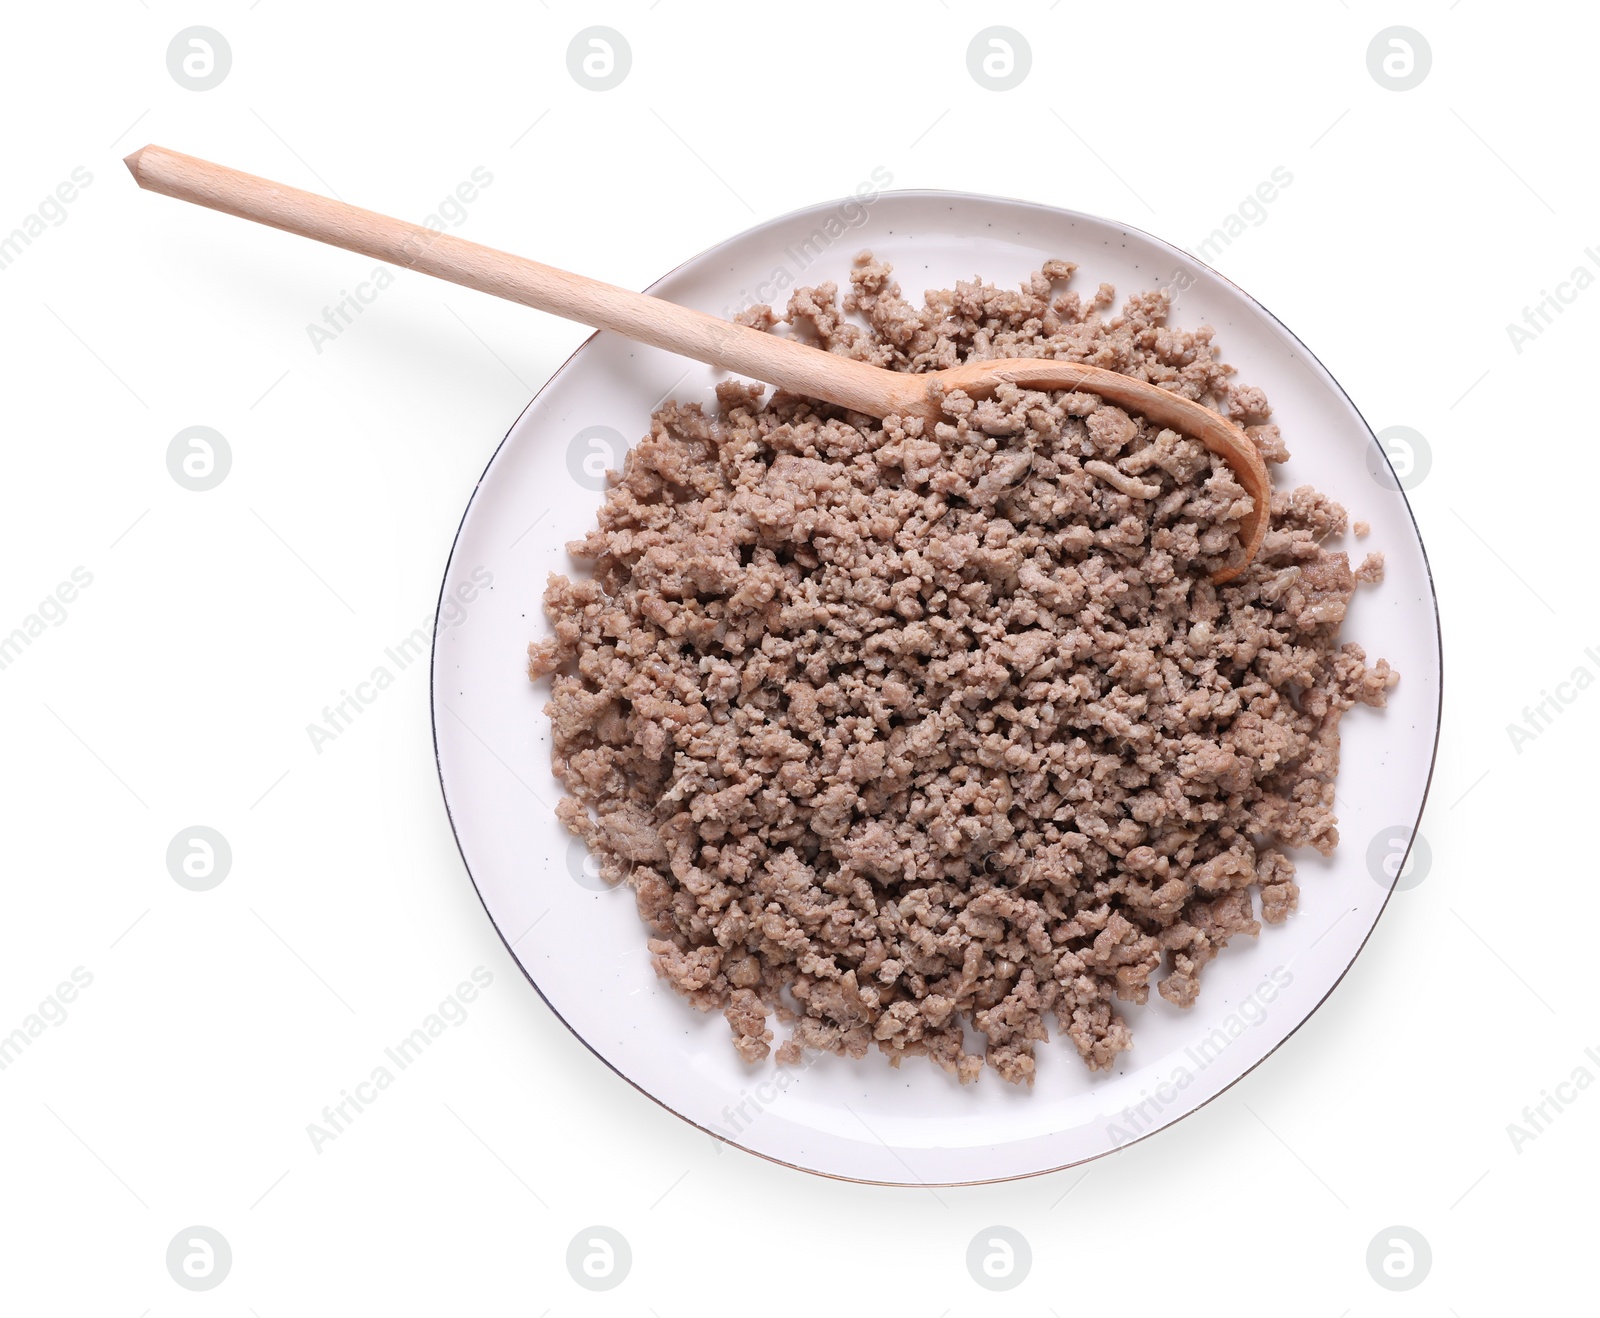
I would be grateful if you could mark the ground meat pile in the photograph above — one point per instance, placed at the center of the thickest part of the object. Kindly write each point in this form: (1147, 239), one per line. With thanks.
(927, 737)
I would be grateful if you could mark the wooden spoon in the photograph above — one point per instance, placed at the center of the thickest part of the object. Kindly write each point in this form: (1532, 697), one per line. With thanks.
(791, 365)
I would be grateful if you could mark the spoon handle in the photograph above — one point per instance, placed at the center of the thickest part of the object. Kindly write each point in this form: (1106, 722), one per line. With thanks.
(683, 330)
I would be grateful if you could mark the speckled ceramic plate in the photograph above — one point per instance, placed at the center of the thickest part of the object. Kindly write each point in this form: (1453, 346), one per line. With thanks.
(583, 946)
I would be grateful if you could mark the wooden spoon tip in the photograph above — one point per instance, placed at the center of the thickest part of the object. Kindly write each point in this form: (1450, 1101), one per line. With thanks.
(132, 162)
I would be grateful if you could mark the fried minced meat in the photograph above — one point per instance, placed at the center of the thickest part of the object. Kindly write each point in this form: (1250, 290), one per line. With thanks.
(906, 735)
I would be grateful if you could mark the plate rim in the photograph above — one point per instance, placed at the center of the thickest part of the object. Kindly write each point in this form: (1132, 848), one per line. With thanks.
(943, 194)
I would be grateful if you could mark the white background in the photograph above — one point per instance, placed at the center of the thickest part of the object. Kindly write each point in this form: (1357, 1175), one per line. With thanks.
(177, 690)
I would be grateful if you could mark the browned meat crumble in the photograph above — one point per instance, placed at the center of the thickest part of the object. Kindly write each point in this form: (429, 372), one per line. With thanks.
(893, 732)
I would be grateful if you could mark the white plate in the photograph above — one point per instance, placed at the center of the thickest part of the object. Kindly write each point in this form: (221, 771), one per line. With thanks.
(584, 949)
